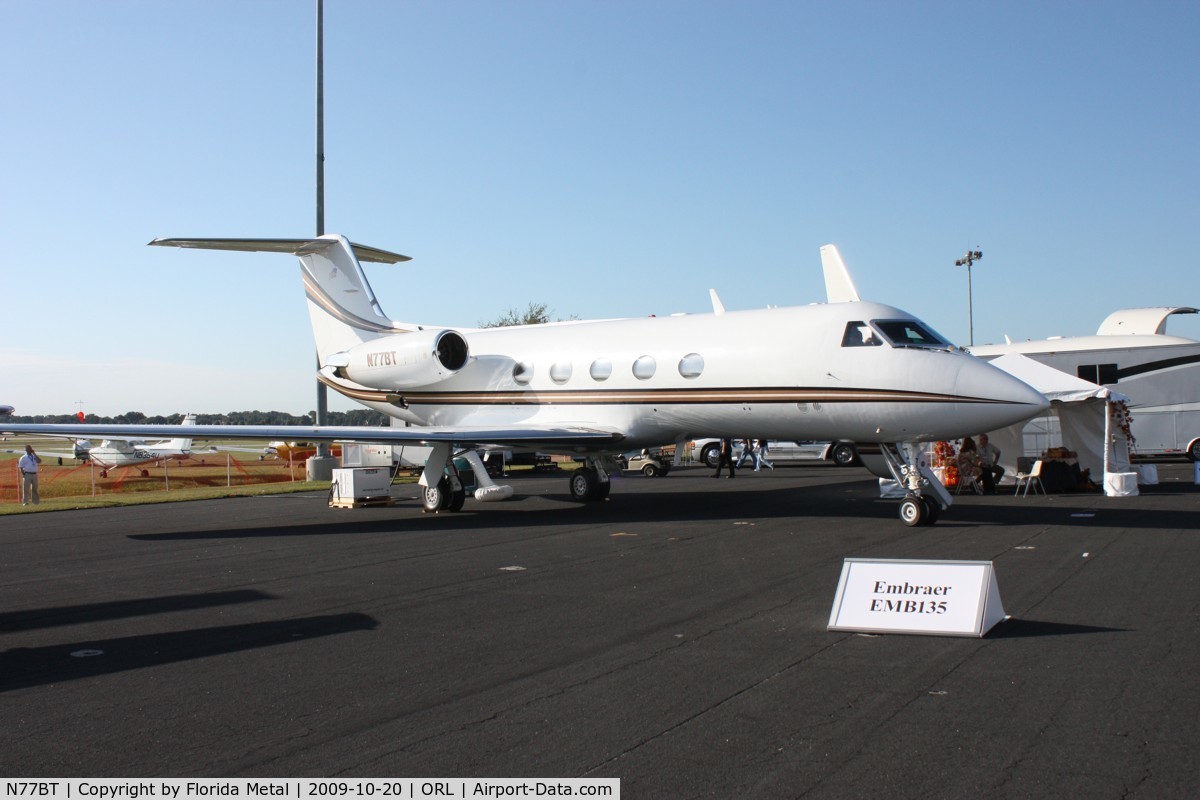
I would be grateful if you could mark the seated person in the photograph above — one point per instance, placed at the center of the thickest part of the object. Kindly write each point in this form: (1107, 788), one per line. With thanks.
(970, 469)
(989, 462)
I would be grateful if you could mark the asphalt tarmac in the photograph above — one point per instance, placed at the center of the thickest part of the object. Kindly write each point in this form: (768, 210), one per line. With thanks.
(673, 636)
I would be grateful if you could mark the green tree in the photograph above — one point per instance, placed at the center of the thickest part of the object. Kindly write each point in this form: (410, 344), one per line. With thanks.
(534, 314)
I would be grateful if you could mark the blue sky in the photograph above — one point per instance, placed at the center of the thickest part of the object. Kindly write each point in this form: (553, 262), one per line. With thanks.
(606, 158)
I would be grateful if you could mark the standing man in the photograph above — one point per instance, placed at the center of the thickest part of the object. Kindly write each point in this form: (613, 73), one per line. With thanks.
(989, 458)
(726, 458)
(28, 465)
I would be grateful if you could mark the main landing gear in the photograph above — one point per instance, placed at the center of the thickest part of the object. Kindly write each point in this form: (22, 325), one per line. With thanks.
(590, 482)
(446, 495)
(443, 489)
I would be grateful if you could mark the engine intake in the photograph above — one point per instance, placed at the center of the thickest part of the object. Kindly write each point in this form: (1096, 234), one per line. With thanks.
(403, 360)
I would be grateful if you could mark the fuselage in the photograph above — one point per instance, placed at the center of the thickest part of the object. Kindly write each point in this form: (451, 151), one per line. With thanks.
(111, 454)
(784, 373)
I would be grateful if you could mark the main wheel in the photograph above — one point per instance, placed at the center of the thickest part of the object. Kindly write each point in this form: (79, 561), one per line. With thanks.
(912, 511)
(844, 454)
(711, 454)
(437, 498)
(457, 499)
(584, 483)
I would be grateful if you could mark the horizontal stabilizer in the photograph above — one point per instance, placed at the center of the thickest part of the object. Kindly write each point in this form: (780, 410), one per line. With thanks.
(296, 247)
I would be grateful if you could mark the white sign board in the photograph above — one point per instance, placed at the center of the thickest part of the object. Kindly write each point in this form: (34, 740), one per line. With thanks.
(942, 598)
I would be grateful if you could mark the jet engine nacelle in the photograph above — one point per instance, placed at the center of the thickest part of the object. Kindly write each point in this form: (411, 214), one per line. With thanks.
(403, 360)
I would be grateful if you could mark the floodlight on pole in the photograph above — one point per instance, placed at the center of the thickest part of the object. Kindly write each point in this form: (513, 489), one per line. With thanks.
(966, 261)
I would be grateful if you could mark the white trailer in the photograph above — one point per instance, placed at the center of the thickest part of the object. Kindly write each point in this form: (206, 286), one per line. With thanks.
(1132, 354)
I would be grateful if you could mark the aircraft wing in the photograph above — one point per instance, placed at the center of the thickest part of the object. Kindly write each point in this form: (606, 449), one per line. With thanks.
(570, 437)
(51, 454)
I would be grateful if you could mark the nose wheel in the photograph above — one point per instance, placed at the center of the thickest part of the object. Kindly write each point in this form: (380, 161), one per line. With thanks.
(919, 510)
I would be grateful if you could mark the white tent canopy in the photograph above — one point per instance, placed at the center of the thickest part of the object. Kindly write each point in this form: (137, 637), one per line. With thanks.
(1084, 412)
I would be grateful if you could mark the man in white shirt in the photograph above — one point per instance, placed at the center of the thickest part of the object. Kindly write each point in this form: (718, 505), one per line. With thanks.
(28, 465)
(989, 457)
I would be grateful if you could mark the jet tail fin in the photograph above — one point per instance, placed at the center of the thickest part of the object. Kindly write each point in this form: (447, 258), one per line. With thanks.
(839, 286)
(342, 308)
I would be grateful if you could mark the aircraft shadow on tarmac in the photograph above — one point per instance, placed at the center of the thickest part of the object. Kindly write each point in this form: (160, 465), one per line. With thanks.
(25, 667)
(687, 500)
(36, 618)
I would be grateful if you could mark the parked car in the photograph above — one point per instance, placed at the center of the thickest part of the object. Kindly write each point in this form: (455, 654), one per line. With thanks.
(844, 454)
(650, 464)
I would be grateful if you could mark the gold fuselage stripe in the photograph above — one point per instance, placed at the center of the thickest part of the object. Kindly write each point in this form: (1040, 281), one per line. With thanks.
(649, 396)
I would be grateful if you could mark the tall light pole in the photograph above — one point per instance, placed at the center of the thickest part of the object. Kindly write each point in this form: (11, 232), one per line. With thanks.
(966, 261)
(320, 466)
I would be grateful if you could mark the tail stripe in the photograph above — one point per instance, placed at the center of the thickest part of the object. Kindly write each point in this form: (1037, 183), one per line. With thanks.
(315, 293)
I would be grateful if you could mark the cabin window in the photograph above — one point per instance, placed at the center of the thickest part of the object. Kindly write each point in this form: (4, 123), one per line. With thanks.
(909, 333)
(691, 365)
(560, 372)
(601, 369)
(522, 372)
(644, 367)
(860, 334)
(1098, 373)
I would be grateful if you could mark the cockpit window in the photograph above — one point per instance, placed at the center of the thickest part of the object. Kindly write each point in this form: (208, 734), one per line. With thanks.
(910, 333)
(860, 334)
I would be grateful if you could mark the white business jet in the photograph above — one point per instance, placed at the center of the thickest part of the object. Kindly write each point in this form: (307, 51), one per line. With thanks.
(858, 371)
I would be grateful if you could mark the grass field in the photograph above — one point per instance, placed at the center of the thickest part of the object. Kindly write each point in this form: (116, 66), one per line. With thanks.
(208, 475)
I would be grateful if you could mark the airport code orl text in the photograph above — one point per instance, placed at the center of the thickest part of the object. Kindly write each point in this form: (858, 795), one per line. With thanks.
(906, 603)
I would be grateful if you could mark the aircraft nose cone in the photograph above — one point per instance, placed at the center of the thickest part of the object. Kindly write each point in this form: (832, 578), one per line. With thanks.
(1007, 399)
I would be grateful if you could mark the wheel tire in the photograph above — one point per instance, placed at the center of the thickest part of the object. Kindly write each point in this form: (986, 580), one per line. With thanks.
(1194, 451)
(844, 454)
(711, 455)
(912, 511)
(437, 498)
(932, 510)
(650, 471)
(584, 484)
(457, 500)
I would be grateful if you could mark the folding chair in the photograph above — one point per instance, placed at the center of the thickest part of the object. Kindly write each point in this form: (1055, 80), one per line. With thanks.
(970, 484)
(1032, 478)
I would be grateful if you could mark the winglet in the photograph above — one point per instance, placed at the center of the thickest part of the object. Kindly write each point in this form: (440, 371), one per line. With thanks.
(718, 306)
(839, 286)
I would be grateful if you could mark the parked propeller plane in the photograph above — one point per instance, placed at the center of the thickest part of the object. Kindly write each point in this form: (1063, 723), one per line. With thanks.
(857, 371)
(115, 451)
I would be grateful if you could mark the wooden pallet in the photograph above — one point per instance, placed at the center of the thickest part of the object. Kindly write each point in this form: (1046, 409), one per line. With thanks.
(361, 502)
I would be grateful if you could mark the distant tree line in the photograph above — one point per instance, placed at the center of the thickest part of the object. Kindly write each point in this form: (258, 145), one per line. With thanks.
(358, 416)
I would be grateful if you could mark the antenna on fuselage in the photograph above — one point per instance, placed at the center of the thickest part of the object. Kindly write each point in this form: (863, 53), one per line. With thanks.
(839, 286)
(718, 306)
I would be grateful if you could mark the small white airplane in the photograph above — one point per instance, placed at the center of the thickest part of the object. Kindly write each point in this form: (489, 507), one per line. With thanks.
(116, 452)
(855, 370)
